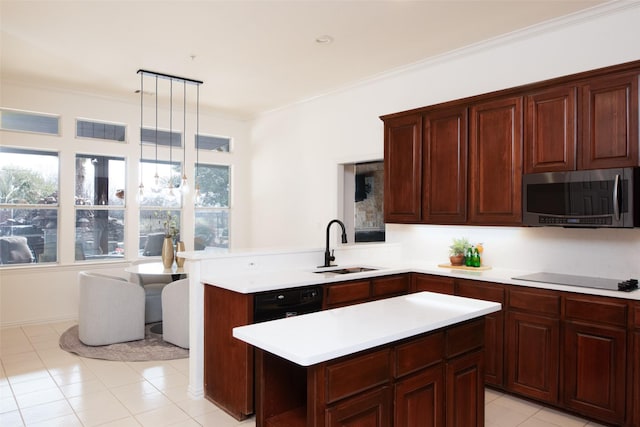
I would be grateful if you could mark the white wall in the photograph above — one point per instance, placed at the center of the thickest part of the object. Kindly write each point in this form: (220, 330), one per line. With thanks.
(39, 293)
(285, 170)
(296, 150)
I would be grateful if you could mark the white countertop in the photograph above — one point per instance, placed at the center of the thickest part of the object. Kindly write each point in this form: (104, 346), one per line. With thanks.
(248, 282)
(318, 337)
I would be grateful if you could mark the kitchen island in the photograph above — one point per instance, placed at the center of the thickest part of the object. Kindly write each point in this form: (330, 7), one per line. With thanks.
(352, 363)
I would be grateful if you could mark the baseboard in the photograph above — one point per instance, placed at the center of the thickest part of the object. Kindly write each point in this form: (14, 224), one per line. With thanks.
(33, 322)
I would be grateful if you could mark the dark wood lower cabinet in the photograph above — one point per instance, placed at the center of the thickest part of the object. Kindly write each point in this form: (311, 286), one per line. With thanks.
(228, 362)
(346, 293)
(419, 399)
(634, 357)
(533, 355)
(431, 283)
(636, 376)
(465, 391)
(358, 291)
(371, 409)
(594, 371)
(434, 379)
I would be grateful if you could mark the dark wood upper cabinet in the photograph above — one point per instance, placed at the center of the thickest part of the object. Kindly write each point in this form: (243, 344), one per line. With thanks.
(609, 122)
(444, 189)
(495, 162)
(461, 162)
(550, 130)
(403, 169)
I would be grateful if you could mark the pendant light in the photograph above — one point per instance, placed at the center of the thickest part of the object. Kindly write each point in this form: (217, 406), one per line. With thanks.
(184, 185)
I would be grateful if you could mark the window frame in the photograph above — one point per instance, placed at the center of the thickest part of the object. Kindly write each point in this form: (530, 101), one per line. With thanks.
(55, 206)
(104, 122)
(96, 207)
(32, 113)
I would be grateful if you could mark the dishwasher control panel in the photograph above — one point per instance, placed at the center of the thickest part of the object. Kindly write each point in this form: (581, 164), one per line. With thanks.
(283, 303)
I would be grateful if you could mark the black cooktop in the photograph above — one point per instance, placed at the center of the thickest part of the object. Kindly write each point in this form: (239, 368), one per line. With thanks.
(583, 281)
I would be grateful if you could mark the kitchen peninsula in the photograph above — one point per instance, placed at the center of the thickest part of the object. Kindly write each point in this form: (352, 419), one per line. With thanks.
(352, 363)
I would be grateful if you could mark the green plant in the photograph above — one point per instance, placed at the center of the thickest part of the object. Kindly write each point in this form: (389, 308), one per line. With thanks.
(459, 246)
(170, 227)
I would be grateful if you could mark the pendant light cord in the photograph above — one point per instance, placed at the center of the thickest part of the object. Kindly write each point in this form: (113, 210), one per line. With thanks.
(170, 134)
(184, 133)
(141, 128)
(156, 133)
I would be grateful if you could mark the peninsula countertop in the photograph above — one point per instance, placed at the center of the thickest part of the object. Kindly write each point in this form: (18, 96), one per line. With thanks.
(318, 337)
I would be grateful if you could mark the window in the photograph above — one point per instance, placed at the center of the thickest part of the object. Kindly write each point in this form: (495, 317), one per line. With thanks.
(212, 207)
(369, 197)
(160, 208)
(165, 138)
(28, 206)
(214, 143)
(100, 130)
(24, 121)
(363, 201)
(99, 199)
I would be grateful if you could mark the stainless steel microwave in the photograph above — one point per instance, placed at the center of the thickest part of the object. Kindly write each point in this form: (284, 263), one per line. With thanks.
(589, 198)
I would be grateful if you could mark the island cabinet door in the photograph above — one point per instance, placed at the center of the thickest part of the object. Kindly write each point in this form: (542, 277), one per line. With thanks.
(370, 409)
(465, 391)
(419, 399)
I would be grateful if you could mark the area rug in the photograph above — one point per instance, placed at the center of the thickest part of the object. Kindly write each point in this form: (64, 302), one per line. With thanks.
(152, 347)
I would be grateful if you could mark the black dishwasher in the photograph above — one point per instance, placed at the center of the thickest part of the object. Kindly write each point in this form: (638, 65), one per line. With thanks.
(283, 303)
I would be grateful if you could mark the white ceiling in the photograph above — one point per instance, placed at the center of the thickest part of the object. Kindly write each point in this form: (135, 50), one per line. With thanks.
(253, 56)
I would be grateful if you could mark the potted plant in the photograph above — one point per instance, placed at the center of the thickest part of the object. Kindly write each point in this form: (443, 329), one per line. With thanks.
(457, 250)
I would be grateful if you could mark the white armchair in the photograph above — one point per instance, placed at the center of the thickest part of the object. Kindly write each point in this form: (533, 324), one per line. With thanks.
(175, 313)
(111, 309)
(152, 285)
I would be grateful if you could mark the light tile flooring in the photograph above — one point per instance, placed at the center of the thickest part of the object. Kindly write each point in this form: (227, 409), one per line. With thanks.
(42, 385)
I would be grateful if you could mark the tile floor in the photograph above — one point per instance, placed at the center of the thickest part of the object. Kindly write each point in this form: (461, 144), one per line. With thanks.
(42, 385)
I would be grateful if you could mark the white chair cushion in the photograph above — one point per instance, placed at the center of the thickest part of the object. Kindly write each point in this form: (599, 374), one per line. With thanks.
(175, 313)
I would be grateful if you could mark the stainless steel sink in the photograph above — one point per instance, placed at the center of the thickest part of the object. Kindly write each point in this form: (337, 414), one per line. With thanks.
(347, 270)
